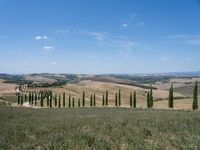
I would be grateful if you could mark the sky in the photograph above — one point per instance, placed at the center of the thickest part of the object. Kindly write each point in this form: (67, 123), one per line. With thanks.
(99, 36)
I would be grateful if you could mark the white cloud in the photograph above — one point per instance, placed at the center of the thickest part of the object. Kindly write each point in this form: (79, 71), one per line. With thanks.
(98, 35)
(140, 24)
(124, 25)
(41, 37)
(53, 63)
(48, 47)
(186, 39)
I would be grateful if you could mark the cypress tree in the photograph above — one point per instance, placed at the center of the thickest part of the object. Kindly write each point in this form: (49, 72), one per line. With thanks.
(94, 100)
(91, 101)
(115, 99)
(83, 99)
(171, 97)
(131, 100)
(55, 100)
(29, 97)
(41, 102)
(73, 102)
(51, 99)
(106, 98)
(18, 98)
(35, 99)
(69, 101)
(25, 97)
(134, 99)
(195, 97)
(22, 98)
(148, 100)
(63, 99)
(119, 97)
(79, 103)
(103, 101)
(32, 98)
(151, 97)
(47, 96)
(59, 105)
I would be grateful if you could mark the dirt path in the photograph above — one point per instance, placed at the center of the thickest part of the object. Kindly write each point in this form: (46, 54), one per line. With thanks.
(26, 104)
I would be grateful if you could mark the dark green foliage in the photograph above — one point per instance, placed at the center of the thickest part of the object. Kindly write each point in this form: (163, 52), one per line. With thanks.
(195, 97)
(151, 97)
(106, 98)
(119, 97)
(42, 99)
(18, 98)
(94, 100)
(69, 104)
(134, 99)
(148, 100)
(51, 97)
(59, 99)
(90, 100)
(131, 100)
(116, 100)
(35, 99)
(103, 100)
(73, 105)
(32, 98)
(79, 103)
(25, 97)
(22, 99)
(171, 97)
(55, 99)
(83, 99)
(63, 99)
(29, 97)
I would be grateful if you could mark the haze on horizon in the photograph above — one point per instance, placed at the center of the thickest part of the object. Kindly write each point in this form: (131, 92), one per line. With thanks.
(99, 36)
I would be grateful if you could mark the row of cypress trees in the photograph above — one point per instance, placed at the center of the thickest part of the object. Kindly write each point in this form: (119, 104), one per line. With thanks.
(47, 95)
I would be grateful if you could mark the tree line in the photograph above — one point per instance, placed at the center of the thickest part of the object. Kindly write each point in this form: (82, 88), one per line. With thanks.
(46, 96)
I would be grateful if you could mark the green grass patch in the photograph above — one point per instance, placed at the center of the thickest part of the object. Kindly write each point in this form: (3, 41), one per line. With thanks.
(98, 128)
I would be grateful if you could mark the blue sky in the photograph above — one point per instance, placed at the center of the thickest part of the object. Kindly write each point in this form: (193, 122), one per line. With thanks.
(99, 36)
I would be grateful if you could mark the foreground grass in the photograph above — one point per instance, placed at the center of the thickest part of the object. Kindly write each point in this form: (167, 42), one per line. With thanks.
(98, 128)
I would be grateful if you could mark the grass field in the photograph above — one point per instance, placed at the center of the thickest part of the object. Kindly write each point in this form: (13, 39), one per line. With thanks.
(98, 128)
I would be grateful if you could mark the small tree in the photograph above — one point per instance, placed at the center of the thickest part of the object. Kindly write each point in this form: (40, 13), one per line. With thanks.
(55, 100)
(35, 99)
(69, 104)
(25, 97)
(41, 101)
(148, 100)
(94, 100)
(83, 99)
(51, 99)
(151, 97)
(18, 98)
(79, 103)
(29, 97)
(195, 97)
(115, 99)
(59, 99)
(119, 97)
(63, 99)
(90, 100)
(22, 99)
(134, 99)
(131, 100)
(73, 102)
(106, 98)
(171, 97)
(103, 100)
